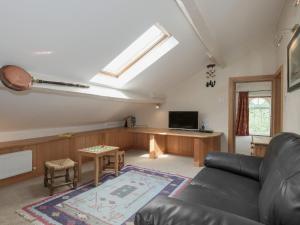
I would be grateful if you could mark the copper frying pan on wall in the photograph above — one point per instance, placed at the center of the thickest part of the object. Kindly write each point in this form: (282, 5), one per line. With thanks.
(18, 79)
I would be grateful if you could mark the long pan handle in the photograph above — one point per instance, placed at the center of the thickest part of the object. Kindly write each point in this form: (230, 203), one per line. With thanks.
(60, 83)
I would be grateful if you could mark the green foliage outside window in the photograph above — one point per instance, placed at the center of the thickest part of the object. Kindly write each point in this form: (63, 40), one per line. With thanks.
(260, 116)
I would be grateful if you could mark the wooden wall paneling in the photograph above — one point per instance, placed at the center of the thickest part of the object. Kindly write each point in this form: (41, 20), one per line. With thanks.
(101, 136)
(173, 144)
(34, 158)
(111, 139)
(125, 140)
(51, 151)
(91, 140)
(78, 142)
(180, 145)
(60, 149)
(141, 141)
(129, 140)
(186, 146)
(43, 154)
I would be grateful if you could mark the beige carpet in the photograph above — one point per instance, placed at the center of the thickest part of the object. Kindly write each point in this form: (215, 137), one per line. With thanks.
(16, 196)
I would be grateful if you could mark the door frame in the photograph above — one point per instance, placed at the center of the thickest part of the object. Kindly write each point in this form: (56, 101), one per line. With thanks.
(277, 103)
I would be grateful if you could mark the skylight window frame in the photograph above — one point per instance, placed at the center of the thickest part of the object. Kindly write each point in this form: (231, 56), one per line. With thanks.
(134, 60)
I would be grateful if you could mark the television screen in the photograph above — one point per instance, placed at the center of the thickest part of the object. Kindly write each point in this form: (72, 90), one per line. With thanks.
(183, 120)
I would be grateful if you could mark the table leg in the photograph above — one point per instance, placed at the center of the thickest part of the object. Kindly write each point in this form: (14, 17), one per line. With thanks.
(96, 171)
(79, 167)
(100, 166)
(116, 163)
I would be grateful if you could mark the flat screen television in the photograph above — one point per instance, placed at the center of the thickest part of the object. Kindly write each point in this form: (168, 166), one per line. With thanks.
(183, 120)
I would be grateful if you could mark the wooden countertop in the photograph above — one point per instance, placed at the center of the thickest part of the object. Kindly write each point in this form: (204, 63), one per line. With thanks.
(27, 142)
(170, 132)
(38, 140)
(33, 141)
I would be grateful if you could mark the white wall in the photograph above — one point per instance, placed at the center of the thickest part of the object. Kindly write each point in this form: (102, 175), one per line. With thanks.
(291, 115)
(212, 103)
(37, 114)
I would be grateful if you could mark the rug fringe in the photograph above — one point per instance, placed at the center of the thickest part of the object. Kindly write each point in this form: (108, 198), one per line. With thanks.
(37, 223)
(26, 216)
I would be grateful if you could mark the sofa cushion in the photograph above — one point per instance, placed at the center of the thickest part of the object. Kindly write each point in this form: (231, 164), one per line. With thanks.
(225, 191)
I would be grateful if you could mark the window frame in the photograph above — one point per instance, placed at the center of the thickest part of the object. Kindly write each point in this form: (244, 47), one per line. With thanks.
(134, 60)
(270, 132)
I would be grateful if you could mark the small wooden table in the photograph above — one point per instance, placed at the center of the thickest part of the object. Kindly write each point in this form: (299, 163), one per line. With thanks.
(97, 152)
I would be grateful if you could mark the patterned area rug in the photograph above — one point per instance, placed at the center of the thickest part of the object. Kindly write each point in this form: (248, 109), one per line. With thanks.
(114, 202)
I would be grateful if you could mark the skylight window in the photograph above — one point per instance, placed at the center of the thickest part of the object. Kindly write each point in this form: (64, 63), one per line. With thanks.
(143, 52)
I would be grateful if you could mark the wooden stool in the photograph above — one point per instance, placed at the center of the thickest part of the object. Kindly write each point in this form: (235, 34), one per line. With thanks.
(109, 163)
(58, 165)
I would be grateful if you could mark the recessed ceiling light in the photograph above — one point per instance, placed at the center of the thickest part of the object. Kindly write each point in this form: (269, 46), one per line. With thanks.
(42, 52)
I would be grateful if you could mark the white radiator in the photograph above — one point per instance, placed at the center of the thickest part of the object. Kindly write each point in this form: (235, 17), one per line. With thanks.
(15, 163)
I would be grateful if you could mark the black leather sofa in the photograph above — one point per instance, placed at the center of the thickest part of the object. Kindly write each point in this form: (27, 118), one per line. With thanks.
(237, 190)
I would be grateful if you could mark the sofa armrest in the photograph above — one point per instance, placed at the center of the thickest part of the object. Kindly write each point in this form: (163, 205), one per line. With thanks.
(240, 164)
(170, 211)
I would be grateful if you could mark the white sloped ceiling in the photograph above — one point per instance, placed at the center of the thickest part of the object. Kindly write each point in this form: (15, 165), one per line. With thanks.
(84, 36)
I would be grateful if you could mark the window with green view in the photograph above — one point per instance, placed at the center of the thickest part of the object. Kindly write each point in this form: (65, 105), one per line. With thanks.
(260, 116)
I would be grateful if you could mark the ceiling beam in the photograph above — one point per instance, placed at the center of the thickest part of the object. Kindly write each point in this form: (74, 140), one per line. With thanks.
(194, 17)
(99, 92)
(93, 91)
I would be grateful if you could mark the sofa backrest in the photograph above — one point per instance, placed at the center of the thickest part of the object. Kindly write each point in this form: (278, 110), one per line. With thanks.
(279, 199)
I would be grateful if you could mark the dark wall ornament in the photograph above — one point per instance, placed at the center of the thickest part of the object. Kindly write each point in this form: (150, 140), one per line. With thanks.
(211, 76)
